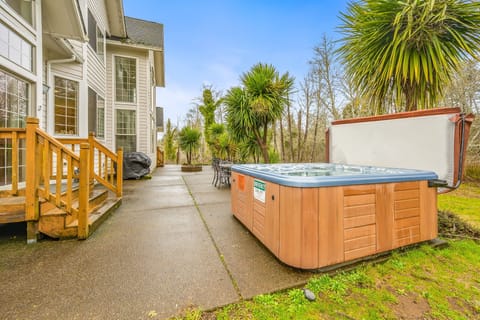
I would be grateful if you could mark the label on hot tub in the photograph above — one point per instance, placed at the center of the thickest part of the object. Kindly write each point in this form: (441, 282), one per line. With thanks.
(259, 190)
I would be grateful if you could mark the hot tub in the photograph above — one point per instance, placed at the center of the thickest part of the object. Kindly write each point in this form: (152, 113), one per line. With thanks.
(320, 214)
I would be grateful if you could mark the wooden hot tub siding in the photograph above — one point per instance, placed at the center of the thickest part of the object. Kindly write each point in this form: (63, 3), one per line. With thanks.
(310, 228)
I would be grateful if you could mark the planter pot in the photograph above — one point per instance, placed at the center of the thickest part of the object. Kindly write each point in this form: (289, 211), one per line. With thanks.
(191, 168)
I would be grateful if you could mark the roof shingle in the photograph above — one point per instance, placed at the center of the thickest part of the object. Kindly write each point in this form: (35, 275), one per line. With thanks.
(144, 32)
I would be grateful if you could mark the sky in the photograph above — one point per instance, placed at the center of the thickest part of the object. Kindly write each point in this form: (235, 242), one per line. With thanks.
(212, 42)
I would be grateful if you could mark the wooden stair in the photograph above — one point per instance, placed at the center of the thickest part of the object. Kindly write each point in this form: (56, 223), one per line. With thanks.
(12, 209)
(56, 222)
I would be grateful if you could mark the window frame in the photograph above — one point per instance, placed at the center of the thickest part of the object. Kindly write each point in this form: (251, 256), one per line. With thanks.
(77, 107)
(100, 44)
(96, 37)
(100, 123)
(135, 129)
(31, 23)
(6, 162)
(26, 98)
(135, 91)
(24, 44)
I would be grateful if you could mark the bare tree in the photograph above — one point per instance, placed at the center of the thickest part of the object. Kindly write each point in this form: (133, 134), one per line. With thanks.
(326, 73)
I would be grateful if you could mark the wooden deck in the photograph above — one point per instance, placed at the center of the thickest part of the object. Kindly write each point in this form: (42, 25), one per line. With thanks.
(57, 196)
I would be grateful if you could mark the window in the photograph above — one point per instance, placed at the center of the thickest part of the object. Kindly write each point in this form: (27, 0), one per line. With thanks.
(15, 48)
(100, 44)
(96, 114)
(126, 132)
(66, 106)
(125, 79)
(95, 36)
(14, 100)
(92, 31)
(23, 8)
(100, 117)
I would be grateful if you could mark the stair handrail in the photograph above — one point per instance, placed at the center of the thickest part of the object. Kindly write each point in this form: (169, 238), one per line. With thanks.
(39, 155)
(111, 176)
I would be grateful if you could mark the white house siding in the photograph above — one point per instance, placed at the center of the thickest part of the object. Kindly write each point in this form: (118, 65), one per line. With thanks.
(95, 64)
(143, 105)
(95, 72)
(99, 11)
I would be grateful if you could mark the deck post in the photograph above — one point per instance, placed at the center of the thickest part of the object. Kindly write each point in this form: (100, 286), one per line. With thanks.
(91, 142)
(84, 186)
(119, 172)
(31, 197)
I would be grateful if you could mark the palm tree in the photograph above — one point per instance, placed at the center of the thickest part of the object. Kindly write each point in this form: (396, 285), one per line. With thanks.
(255, 105)
(189, 141)
(408, 49)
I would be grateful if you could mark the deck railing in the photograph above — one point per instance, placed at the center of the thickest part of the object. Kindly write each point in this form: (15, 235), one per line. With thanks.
(53, 168)
(13, 138)
(106, 167)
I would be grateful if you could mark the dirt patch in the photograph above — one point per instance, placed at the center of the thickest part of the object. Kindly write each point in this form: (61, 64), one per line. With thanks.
(209, 316)
(449, 224)
(462, 306)
(410, 306)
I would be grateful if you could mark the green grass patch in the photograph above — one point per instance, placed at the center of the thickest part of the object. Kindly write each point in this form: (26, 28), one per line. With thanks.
(464, 202)
(420, 283)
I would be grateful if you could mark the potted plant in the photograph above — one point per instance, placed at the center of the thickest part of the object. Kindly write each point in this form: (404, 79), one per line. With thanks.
(189, 141)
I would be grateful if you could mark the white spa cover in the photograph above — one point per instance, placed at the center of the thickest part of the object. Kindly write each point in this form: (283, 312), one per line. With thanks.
(423, 143)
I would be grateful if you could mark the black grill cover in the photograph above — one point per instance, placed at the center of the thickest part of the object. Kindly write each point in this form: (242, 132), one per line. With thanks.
(135, 165)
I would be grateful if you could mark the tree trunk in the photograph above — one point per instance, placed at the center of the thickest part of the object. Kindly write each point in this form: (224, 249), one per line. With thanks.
(290, 132)
(315, 132)
(307, 120)
(299, 135)
(282, 141)
(410, 101)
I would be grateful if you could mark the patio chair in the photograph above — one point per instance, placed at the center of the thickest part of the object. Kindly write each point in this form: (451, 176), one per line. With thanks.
(224, 173)
(215, 163)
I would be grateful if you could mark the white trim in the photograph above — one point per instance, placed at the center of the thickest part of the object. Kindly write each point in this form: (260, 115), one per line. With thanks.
(51, 108)
(19, 19)
(134, 45)
(18, 70)
(114, 87)
(31, 89)
(115, 126)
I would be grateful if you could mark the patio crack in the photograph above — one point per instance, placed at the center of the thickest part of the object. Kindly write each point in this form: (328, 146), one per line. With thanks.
(215, 245)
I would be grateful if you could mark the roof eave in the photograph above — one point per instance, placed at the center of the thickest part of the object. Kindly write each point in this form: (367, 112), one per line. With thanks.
(63, 20)
(116, 18)
(159, 62)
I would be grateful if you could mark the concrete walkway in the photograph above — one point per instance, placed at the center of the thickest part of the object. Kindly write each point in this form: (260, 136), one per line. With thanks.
(172, 244)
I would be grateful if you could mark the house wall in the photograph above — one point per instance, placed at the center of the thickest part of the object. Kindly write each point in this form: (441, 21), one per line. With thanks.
(96, 65)
(143, 105)
(33, 35)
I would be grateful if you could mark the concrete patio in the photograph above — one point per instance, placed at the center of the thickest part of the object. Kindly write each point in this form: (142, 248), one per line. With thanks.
(172, 244)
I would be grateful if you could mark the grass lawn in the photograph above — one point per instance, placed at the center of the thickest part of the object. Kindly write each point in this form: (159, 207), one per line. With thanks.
(464, 202)
(419, 283)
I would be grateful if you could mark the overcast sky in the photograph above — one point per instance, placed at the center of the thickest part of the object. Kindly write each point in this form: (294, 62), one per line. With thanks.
(214, 42)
